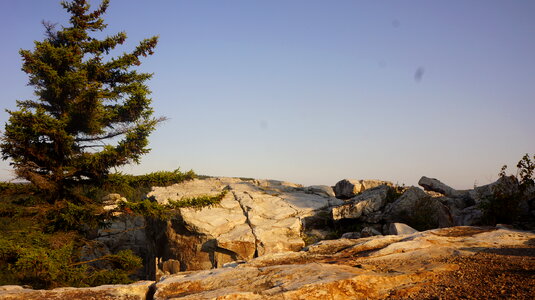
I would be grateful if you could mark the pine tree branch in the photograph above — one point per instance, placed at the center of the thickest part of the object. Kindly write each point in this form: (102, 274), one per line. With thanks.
(104, 137)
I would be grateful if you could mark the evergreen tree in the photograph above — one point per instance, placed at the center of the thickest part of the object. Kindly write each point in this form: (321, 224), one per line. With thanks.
(90, 113)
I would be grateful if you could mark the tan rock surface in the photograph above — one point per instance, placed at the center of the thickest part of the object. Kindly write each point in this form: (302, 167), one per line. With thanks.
(376, 267)
(449, 263)
(256, 217)
(135, 291)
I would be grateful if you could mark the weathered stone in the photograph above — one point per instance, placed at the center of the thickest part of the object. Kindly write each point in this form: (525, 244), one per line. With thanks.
(254, 283)
(322, 190)
(366, 203)
(256, 217)
(111, 201)
(125, 232)
(93, 250)
(432, 184)
(411, 261)
(135, 291)
(375, 267)
(374, 217)
(469, 216)
(170, 266)
(369, 231)
(507, 186)
(348, 188)
(416, 208)
(10, 288)
(351, 235)
(401, 229)
(113, 198)
(233, 264)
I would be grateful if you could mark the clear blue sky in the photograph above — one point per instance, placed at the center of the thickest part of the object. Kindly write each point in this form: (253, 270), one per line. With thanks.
(316, 91)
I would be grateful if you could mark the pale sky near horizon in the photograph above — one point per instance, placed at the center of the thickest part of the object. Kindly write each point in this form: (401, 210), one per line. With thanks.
(316, 91)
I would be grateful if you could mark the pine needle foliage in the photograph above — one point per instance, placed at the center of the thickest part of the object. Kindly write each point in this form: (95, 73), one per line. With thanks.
(91, 113)
(150, 208)
(40, 243)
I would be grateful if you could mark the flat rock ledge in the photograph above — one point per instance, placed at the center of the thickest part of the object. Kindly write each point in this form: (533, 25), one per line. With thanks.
(140, 290)
(377, 267)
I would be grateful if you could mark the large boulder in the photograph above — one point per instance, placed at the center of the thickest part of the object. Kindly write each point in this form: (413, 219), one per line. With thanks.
(401, 229)
(507, 186)
(348, 188)
(435, 185)
(417, 209)
(469, 216)
(256, 217)
(364, 204)
(125, 232)
(465, 206)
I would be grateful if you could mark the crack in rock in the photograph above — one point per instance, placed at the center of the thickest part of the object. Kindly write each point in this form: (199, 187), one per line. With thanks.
(248, 221)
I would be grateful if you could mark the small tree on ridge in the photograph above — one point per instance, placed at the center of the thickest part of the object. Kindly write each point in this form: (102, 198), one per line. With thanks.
(91, 113)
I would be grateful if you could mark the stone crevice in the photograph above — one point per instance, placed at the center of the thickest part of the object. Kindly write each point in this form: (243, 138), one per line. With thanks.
(296, 215)
(248, 221)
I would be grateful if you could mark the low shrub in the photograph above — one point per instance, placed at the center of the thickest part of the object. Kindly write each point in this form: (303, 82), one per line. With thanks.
(40, 240)
(151, 208)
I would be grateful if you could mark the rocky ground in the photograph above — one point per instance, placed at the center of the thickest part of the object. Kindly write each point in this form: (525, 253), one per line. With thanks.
(506, 273)
(449, 263)
(250, 245)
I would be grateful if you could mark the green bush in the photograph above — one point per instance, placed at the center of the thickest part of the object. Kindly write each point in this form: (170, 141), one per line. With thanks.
(40, 241)
(136, 187)
(49, 260)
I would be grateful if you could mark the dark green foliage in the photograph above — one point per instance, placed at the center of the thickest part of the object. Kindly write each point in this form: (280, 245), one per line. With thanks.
(36, 252)
(40, 242)
(198, 202)
(151, 208)
(160, 178)
(90, 113)
(503, 206)
(135, 187)
(66, 216)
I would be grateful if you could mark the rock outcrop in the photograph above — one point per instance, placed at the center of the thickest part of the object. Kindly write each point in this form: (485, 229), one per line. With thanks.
(417, 208)
(401, 229)
(364, 204)
(465, 205)
(255, 218)
(348, 188)
(262, 217)
(374, 267)
(378, 267)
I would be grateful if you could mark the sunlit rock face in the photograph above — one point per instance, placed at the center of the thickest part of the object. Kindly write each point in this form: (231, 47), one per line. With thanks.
(136, 291)
(374, 267)
(377, 267)
(348, 188)
(255, 218)
(263, 217)
(364, 204)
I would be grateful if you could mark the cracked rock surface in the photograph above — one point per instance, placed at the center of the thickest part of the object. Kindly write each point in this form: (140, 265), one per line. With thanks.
(402, 266)
(256, 217)
(449, 263)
